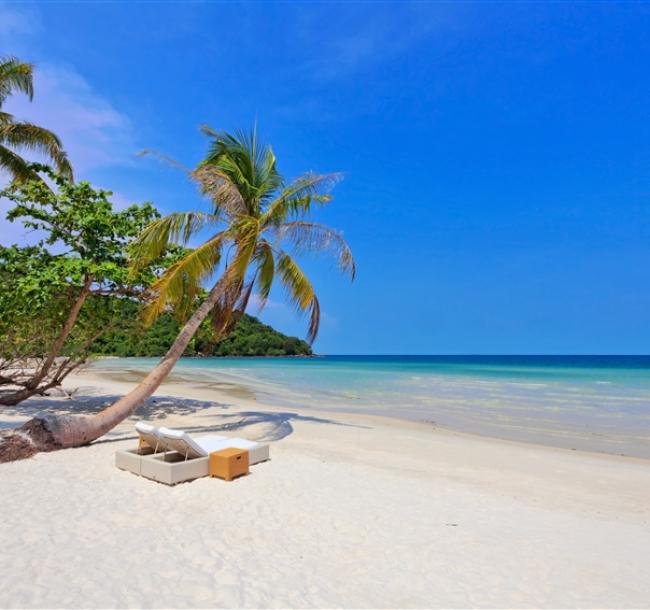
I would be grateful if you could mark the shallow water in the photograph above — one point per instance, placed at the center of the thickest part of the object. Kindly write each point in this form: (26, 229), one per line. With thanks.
(598, 403)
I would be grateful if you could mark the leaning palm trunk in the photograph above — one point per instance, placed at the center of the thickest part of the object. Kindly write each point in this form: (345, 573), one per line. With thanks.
(51, 432)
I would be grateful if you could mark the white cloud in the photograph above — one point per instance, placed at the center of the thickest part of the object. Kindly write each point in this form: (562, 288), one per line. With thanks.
(369, 40)
(17, 22)
(93, 132)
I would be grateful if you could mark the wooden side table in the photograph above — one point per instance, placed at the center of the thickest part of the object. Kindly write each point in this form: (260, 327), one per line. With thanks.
(228, 463)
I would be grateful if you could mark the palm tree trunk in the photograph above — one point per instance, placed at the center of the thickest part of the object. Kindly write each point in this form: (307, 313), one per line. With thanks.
(48, 432)
(110, 417)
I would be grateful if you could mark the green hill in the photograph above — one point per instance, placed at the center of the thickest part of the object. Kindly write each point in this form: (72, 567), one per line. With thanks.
(250, 338)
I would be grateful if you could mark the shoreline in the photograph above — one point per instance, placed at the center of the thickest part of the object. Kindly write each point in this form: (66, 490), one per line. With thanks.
(226, 387)
(351, 511)
(233, 401)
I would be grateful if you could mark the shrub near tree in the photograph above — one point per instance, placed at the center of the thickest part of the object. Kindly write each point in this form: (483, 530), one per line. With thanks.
(56, 295)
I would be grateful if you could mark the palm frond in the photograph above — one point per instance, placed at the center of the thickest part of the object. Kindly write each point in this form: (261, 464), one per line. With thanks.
(269, 179)
(167, 160)
(221, 190)
(265, 263)
(181, 282)
(38, 139)
(311, 237)
(298, 197)
(249, 166)
(301, 292)
(19, 169)
(244, 234)
(208, 131)
(225, 315)
(177, 227)
(233, 159)
(15, 75)
(212, 183)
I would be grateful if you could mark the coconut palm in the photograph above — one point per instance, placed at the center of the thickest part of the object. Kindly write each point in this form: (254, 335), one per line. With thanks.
(258, 222)
(16, 75)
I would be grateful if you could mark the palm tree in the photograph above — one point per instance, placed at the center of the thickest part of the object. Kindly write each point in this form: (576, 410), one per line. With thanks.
(16, 75)
(256, 220)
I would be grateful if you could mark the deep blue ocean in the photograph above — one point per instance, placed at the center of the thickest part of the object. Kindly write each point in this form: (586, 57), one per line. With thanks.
(599, 403)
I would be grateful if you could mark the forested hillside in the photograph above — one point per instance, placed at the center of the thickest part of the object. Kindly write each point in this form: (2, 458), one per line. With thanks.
(250, 338)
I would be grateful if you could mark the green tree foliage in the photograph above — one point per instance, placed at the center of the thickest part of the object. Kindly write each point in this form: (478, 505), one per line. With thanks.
(130, 337)
(33, 301)
(251, 338)
(59, 295)
(72, 294)
(79, 222)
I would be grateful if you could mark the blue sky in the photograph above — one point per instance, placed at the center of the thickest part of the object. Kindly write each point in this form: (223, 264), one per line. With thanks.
(497, 156)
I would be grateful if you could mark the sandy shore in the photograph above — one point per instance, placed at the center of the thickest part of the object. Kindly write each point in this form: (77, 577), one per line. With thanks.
(351, 511)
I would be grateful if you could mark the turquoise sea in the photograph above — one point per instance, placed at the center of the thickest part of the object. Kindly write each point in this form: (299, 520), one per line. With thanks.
(598, 403)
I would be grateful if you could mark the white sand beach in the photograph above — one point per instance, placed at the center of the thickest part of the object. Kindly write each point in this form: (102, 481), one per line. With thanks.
(351, 511)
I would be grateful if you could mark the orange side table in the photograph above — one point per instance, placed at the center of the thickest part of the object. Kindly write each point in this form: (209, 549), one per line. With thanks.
(228, 463)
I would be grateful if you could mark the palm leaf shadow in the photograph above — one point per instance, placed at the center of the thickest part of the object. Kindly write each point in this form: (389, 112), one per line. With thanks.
(272, 426)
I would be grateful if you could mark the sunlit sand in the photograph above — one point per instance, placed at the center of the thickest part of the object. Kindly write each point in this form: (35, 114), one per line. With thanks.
(351, 511)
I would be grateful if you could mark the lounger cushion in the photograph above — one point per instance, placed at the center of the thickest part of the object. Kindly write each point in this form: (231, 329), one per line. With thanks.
(145, 428)
(150, 435)
(257, 452)
(202, 446)
(237, 443)
(182, 442)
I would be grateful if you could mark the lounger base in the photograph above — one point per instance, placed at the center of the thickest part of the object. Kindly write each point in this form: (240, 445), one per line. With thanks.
(258, 454)
(131, 459)
(172, 467)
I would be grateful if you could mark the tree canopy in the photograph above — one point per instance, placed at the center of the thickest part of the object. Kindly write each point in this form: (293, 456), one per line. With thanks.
(72, 295)
(257, 217)
(58, 296)
(250, 337)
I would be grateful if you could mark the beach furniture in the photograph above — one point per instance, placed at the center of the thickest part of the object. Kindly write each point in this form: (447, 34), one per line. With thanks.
(185, 444)
(150, 443)
(228, 463)
(174, 456)
(150, 437)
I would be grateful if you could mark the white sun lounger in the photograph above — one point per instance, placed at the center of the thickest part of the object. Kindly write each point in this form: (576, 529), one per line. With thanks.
(150, 435)
(154, 444)
(174, 456)
(202, 446)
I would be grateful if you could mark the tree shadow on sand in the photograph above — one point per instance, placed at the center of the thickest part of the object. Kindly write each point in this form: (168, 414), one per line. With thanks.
(158, 407)
(262, 426)
(269, 426)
